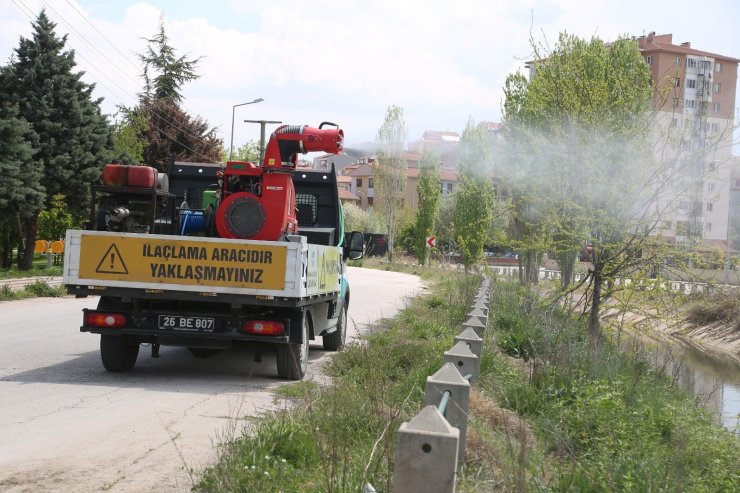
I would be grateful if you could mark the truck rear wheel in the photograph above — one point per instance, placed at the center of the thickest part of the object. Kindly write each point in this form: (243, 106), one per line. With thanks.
(118, 353)
(335, 340)
(292, 359)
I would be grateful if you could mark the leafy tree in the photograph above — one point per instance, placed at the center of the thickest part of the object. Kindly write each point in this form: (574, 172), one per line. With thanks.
(428, 188)
(367, 221)
(165, 72)
(474, 196)
(128, 137)
(170, 132)
(577, 154)
(390, 173)
(55, 221)
(21, 188)
(74, 136)
(249, 152)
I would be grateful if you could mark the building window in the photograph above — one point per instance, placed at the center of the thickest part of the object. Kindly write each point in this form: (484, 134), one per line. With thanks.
(715, 107)
(708, 227)
(674, 122)
(718, 67)
(710, 206)
(689, 103)
(667, 224)
(715, 127)
(717, 87)
(677, 82)
(649, 59)
(370, 201)
(710, 187)
(691, 83)
(683, 205)
(370, 183)
(691, 62)
(677, 63)
(359, 182)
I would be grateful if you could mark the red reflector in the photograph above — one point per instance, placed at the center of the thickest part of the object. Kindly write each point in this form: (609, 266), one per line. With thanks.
(111, 320)
(264, 327)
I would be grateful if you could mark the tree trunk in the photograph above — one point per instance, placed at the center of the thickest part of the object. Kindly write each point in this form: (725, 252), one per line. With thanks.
(594, 323)
(25, 261)
(566, 262)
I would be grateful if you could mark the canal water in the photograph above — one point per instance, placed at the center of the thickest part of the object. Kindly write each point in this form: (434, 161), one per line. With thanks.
(713, 378)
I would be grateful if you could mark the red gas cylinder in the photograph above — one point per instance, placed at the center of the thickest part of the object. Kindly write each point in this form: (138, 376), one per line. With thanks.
(142, 177)
(115, 175)
(120, 175)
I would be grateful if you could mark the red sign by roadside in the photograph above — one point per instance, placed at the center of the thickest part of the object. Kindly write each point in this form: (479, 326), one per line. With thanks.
(431, 241)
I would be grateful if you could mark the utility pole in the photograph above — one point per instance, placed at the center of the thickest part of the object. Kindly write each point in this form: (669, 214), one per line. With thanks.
(263, 124)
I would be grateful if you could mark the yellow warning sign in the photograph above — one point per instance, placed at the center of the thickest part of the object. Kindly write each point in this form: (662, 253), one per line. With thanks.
(328, 270)
(187, 262)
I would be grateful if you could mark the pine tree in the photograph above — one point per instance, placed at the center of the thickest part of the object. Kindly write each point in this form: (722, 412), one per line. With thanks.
(21, 191)
(170, 133)
(74, 135)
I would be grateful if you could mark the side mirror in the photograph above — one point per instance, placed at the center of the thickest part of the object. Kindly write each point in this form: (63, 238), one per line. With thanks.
(354, 245)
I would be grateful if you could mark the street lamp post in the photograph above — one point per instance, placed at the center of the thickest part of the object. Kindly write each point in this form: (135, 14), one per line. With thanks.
(233, 110)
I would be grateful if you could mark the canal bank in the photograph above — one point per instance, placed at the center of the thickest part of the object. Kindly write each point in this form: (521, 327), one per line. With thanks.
(703, 359)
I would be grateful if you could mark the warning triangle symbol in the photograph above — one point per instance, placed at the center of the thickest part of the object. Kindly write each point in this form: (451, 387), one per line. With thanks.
(112, 262)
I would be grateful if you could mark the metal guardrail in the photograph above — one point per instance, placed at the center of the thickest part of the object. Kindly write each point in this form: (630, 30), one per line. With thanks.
(432, 443)
(16, 284)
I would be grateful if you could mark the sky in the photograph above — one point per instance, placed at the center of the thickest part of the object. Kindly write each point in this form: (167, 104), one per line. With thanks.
(346, 61)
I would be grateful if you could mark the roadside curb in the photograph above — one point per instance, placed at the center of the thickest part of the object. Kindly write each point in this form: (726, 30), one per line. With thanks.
(17, 284)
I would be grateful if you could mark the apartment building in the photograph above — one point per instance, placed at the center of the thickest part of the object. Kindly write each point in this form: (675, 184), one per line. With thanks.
(695, 103)
(362, 186)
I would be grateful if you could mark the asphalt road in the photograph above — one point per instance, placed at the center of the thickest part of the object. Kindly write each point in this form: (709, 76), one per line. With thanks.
(68, 425)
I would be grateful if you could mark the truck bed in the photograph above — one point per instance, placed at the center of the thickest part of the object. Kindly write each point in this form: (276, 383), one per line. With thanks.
(166, 265)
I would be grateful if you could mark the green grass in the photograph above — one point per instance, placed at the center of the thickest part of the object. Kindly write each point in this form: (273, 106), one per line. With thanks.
(563, 420)
(341, 437)
(34, 290)
(40, 268)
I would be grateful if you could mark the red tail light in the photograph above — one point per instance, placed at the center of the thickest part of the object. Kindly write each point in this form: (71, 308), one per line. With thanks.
(104, 320)
(264, 327)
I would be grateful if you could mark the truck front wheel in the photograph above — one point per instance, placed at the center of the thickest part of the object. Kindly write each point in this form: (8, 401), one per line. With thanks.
(292, 359)
(118, 353)
(335, 340)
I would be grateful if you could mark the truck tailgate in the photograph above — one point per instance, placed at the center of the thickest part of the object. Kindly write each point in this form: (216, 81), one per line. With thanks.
(217, 265)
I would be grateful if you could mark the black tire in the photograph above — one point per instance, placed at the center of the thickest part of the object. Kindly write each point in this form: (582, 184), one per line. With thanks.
(118, 353)
(335, 341)
(292, 359)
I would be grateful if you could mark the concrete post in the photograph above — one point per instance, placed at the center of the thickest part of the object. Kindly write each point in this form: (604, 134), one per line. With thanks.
(476, 325)
(479, 313)
(426, 454)
(448, 378)
(470, 337)
(464, 360)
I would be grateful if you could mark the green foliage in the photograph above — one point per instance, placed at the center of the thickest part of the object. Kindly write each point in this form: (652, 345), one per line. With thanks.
(54, 223)
(249, 152)
(407, 237)
(341, 437)
(159, 120)
(474, 204)
(164, 72)
(390, 172)
(368, 221)
(75, 138)
(22, 191)
(428, 189)
(610, 424)
(564, 160)
(128, 137)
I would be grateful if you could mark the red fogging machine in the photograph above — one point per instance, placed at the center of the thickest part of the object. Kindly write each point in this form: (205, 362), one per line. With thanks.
(258, 202)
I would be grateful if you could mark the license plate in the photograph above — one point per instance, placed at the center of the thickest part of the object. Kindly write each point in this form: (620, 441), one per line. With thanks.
(187, 324)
